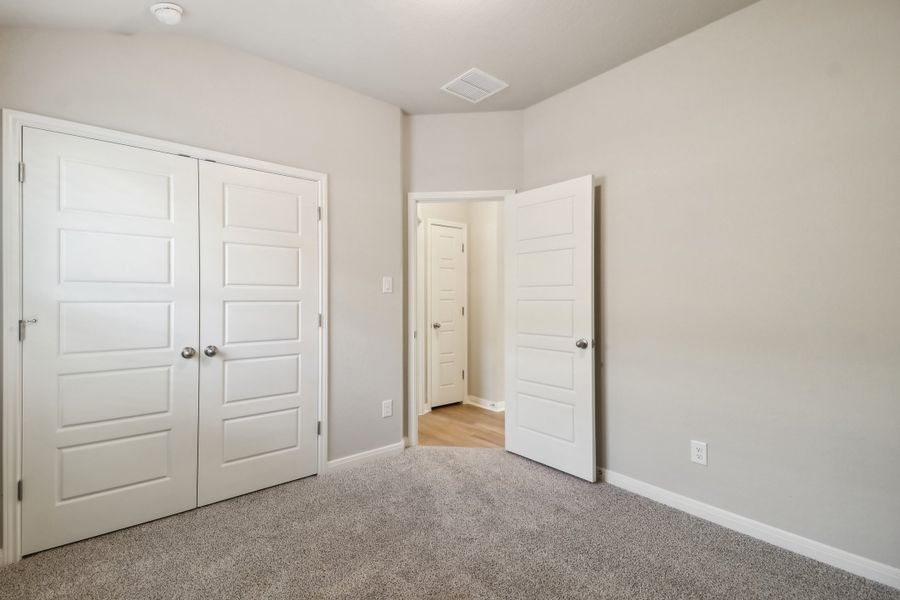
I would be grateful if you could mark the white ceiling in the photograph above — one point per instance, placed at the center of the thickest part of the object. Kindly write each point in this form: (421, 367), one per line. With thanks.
(403, 51)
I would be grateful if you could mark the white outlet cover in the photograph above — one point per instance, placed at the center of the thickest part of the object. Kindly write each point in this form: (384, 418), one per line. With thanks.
(698, 452)
(387, 408)
(387, 285)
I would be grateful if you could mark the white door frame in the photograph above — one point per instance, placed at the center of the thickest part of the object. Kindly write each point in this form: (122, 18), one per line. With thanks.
(416, 352)
(12, 124)
(465, 323)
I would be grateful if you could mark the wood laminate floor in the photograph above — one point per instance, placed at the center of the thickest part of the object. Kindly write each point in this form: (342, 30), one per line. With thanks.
(462, 425)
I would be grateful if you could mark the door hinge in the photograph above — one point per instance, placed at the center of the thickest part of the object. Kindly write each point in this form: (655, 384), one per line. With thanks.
(463, 311)
(463, 247)
(319, 428)
(21, 172)
(319, 212)
(464, 373)
(320, 319)
(19, 490)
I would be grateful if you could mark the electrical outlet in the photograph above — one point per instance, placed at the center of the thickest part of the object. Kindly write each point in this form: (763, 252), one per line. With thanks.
(387, 408)
(698, 452)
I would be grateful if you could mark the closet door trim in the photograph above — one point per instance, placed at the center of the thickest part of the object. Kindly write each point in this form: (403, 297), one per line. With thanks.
(13, 123)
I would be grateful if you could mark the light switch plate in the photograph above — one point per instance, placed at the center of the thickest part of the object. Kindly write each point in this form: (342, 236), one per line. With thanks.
(387, 285)
(387, 408)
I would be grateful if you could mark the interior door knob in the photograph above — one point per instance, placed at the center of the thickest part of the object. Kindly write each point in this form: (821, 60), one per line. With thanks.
(188, 352)
(210, 351)
(582, 343)
(436, 325)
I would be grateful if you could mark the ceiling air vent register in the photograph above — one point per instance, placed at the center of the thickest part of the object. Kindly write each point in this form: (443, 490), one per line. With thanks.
(474, 85)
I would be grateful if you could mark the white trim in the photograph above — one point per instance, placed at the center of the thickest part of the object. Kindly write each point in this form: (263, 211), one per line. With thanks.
(324, 271)
(412, 215)
(12, 310)
(858, 565)
(489, 195)
(364, 457)
(486, 404)
(12, 124)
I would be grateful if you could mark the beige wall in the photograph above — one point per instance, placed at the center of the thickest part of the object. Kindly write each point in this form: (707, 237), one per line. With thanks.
(460, 152)
(456, 152)
(486, 300)
(752, 262)
(191, 91)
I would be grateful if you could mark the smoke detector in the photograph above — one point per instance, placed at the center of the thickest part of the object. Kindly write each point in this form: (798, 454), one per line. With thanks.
(474, 85)
(168, 13)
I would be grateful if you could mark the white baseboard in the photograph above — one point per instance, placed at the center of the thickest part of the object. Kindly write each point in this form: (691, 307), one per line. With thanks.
(488, 404)
(363, 457)
(858, 565)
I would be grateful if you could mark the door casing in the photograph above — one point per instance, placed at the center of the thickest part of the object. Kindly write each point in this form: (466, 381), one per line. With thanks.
(12, 124)
(416, 343)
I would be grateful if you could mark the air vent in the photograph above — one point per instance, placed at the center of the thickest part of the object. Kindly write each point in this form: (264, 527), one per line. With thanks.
(474, 85)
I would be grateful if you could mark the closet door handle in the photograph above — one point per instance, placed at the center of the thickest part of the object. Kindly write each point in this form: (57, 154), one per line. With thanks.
(210, 351)
(436, 325)
(188, 352)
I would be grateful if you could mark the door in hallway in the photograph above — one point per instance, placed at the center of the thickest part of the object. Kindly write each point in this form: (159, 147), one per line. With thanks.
(447, 312)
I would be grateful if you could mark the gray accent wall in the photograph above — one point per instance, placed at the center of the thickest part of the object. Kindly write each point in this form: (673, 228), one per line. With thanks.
(751, 258)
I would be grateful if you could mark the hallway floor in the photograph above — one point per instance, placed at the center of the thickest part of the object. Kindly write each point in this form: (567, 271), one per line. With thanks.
(462, 425)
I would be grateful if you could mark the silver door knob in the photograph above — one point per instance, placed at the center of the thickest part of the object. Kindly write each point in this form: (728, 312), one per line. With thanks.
(436, 325)
(188, 352)
(210, 351)
(582, 343)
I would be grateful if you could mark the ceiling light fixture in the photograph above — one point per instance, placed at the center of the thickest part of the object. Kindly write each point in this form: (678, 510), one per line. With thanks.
(168, 13)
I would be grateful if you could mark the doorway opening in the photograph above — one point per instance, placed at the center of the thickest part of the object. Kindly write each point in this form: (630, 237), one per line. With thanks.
(540, 282)
(456, 263)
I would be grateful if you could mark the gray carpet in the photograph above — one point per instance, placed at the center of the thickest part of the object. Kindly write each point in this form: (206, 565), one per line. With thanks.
(432, 523)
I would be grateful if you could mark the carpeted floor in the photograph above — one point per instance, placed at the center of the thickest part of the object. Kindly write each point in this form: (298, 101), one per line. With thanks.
(437, 523)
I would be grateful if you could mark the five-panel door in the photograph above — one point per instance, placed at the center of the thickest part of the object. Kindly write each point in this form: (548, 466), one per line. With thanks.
(259, 321)
(549, 333)
(121, 256)
(447, 281)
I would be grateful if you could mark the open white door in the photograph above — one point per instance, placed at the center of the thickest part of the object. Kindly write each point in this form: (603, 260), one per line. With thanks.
(549, 304)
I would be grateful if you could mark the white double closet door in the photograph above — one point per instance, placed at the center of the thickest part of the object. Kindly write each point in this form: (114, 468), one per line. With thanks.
(174, 357)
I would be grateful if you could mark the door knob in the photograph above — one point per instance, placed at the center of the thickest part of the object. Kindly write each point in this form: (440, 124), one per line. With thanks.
(582, 343)
(436, 325)
(210, 351)
(188, 352)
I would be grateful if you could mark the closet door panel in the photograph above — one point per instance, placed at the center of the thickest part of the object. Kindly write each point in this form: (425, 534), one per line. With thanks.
(259, 291)
(111, 274)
